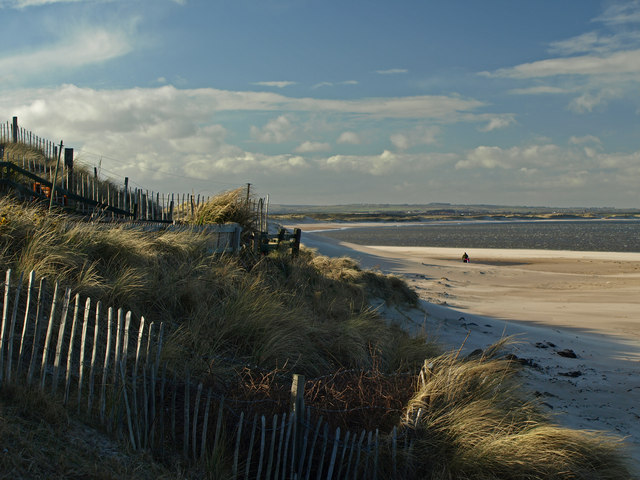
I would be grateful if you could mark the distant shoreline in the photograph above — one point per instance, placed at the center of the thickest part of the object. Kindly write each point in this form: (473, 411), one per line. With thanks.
(567, 235)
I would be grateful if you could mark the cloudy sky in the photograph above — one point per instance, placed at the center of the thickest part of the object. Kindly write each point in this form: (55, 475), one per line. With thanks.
(324, 102)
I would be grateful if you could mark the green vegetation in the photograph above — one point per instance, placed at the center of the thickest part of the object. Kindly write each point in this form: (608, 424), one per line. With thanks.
(310, 315)
(436, 211)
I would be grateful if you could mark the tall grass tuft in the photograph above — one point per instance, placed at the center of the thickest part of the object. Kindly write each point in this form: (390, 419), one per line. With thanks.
(228, 207)
(476, 423)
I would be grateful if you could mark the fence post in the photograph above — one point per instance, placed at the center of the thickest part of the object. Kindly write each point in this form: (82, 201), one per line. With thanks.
(55, 178)
(126, 191)
(295, 247)
(15, 129)
(297, 406)
(68, 165)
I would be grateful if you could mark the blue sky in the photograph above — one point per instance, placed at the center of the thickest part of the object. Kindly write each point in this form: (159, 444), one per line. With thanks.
(327, 102)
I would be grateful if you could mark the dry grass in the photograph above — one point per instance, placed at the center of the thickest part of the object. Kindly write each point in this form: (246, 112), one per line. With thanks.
(309, 313)
(39, 440)
(476, 423)
(228, 207)
(306, 315)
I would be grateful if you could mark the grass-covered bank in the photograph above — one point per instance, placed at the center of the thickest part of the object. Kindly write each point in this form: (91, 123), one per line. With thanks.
(276, 315)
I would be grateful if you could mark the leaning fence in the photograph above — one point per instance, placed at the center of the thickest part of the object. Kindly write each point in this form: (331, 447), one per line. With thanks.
(83, 191)
(107, 367)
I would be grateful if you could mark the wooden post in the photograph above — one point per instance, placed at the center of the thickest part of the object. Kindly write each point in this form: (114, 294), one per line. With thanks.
(94, 353)
(32, 276)
(70, 353)
(85, 326)
(68, 163)
(36, 330)
(297, 407)
(60, 344)
(55, 178)
(47, 341)
(5, 314)
(295, 246)
(15, 130)
(126, 190)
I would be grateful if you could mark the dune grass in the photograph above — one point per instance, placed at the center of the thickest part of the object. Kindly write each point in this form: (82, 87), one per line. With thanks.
(476, 422)
(310, 315)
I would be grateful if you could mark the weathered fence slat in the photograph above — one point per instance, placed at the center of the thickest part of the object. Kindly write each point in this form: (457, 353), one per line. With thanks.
(74, 323)
(36, 331)
(118, 350)
(325, 439)
(12, 328)
(283, 425)
(94, 356)
(128, 409)
(47, 341)
(236, 453)
(32, 277)
(247, 466)
(5, 314)
(105, 369)
(194, 429)
(334, 452)
(61, 330)
(344, 451)
(185, 450)
(312, 449)
(286, 444)
(205, 425)
(216, 440)
(83, 344)
(271, 447)
(262, 438)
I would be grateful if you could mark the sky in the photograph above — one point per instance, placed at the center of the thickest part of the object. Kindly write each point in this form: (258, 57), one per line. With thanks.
(534, 102)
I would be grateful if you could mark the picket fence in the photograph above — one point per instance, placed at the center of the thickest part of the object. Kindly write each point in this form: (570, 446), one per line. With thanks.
(88, 194)
(109, 372)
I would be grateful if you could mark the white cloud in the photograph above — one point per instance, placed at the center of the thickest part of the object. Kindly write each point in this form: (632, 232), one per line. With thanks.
(392, 71)
(332, 84)
(278, 130)
(538, 90)
(498, 122)
(31, 3)
(83, 47)
(584, 139)
(621, 13)
(418, 136)
(308, 147)
(280, 84)
(349, 138)
(590, 100)
(616, 63)
(492, 157)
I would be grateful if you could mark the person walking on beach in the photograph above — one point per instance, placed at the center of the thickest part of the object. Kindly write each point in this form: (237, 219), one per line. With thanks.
(465, 257)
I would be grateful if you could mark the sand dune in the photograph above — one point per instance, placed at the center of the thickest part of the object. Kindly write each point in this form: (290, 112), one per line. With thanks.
(576, 316)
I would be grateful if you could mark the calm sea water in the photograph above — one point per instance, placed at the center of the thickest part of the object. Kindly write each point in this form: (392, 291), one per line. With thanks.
(581, 235)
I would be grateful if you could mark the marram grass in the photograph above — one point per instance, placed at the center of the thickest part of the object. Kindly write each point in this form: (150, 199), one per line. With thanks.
(476, 423)
(306, 315)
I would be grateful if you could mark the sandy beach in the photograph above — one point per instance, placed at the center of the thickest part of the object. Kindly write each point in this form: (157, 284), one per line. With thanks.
(575, 315)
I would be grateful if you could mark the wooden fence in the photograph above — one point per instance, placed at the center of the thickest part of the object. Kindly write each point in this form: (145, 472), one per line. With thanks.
(107, 367)
(86, 193)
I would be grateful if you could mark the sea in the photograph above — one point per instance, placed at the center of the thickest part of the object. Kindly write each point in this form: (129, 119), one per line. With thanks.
(579, 235)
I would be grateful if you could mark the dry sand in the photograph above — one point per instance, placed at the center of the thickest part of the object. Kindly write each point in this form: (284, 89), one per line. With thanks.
(558, 303)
